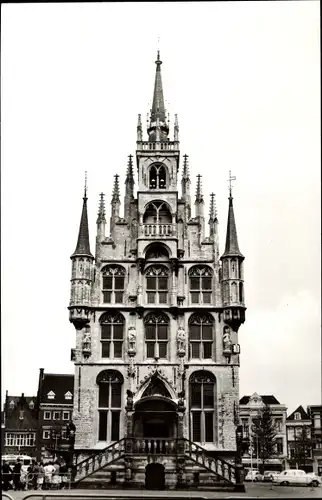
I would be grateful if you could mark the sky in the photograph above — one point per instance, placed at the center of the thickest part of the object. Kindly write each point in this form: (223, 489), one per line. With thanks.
(244, 79)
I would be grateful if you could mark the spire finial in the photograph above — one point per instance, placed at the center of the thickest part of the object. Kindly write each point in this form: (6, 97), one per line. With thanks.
(101, 209)
(230, 183)
(212, 210)
(85, 185)
(129, 174)
(185, 173)
(116, 189)
(199, 195)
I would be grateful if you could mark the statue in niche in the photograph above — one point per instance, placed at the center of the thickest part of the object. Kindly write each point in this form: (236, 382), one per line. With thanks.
(227, 339)
(129, 400)
(181, 339)
(132, 338)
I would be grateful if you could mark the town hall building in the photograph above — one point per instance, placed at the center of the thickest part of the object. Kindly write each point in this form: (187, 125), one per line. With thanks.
(157, 310)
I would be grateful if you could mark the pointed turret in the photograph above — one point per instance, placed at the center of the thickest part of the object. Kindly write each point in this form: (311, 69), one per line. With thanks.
(101, 219)
(82, 271)
(213, 226)
(231, 247)
(176, 128)
(199, 208)
(115, 203)
(232, 272)
(83, 247)
(129, 188)
(139, 129)
(185, 187)
(158, 129)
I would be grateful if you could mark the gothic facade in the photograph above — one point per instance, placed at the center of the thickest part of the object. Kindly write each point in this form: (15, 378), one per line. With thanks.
(157, 309)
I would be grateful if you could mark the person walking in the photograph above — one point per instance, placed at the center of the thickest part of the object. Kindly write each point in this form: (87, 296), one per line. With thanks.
(16, 475)
(6, 475)
(40, 476)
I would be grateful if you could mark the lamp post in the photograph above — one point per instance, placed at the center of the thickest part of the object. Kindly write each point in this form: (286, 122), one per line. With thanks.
(238, 461)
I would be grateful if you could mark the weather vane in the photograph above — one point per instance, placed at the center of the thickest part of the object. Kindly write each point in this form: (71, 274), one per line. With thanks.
(231, 178)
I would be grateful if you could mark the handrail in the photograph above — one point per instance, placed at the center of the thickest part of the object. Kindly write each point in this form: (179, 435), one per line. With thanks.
(100, 451)
(108, 494)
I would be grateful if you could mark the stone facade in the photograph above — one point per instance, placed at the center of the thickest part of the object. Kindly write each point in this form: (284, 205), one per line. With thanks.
(157, 310)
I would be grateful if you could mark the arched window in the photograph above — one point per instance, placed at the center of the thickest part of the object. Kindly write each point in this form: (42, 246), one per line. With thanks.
(241, 292)
(201, 336)
(157, 177)
(156, 335)
(112, 333)
(202, 406)
(200, 284)
(113, 284)
(234, 292)
(157, 284)
(109, 404)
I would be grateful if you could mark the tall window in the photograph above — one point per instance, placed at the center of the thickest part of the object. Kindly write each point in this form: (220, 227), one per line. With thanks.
(157, 285)
(109, 404)
(202, 406)
(157, 177)
(279, 446)
(200, 284)
(13, 439)
(156, 335)
(201, 336)
(112, 333)
(113, 284)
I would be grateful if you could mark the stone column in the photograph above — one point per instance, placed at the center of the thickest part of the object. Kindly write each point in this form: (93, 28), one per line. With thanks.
(173, 288)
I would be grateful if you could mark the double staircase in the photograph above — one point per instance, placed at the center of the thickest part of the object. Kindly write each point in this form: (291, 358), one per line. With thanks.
(191, 457)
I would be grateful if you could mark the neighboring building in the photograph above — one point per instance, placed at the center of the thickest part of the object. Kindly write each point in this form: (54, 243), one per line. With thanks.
(55, 396)
(157, 313)
(20, 421)
(2, 432)
(299, 444)
(249, 406)
(315, 413)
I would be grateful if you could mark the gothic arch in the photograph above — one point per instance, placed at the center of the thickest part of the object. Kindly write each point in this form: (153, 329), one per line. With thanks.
(109, 375)
(156, 251)
(145, 384)
(158, 176)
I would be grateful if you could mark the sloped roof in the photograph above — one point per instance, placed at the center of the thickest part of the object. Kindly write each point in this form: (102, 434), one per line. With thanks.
(267, 400)
(300, 409)
(59, 384)
(29, 416)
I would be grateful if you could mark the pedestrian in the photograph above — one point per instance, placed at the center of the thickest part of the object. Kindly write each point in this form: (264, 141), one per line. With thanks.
(49, 469)
(56, 476)
(16, 475)
(40, 476)
(64, 478)
(6, 475)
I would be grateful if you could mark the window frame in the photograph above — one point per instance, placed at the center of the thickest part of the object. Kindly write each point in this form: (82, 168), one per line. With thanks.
(202, 379)
(110, 378)
(204, 319)
(55, 413)
(44, 432)
(68, 415)
(112, 318)
(157, 272)
(113, 272)
(50, 415)
(200, 273)
(156, 318)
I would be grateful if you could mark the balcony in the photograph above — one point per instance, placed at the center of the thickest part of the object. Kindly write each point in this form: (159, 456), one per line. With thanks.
(158, 230)
(158, 146)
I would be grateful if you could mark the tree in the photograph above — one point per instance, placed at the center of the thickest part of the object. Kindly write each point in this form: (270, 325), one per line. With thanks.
(264, 436)
(302, 446)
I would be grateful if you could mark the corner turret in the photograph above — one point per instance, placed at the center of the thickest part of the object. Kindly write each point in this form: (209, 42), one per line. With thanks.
(232, 272)
(82, 272)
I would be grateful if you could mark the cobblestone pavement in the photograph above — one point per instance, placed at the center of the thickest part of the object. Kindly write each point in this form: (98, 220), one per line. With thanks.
(252, 491)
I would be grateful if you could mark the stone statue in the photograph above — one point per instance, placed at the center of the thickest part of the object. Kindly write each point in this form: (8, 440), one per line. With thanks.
(132, 338)
(181, 338)
(129, 400)
(87, 337)
(226, 339)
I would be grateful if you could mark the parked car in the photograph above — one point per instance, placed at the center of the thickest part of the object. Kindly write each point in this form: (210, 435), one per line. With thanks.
(268, 475)
(316, 480)
(293, 476)
(254, 475)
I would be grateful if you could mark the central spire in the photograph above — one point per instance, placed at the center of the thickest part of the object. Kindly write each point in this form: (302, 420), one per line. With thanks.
(158, 129)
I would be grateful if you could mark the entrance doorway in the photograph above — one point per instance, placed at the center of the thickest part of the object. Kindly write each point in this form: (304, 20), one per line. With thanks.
(154, 477)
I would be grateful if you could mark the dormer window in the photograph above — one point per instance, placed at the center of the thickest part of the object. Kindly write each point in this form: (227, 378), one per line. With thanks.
(297, 416)
(11, 405)
(31, 405)
(51, 395)
(68, 395)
